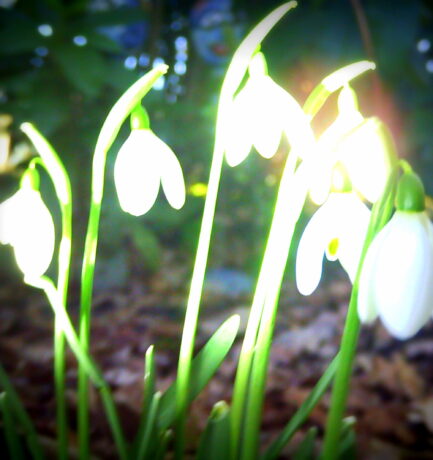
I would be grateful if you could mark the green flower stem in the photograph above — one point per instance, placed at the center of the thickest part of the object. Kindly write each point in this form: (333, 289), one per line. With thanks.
(342, 378)
(235, 73)
(84, 360)
(55, 169)
(380, 215)
(117, 115)
(293, 190)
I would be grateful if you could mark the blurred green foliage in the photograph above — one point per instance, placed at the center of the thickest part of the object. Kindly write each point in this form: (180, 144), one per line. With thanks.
(68, 90)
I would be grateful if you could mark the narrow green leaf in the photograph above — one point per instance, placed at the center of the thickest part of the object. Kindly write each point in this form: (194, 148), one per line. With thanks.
(166, 437)
(215, 440)
(347, 446)
(119, 16)
(84, 67)
(12, 439)
(146, 443)
(149, 391)
(305, 450)
(203, 368)
(302, 413)
(22, 416)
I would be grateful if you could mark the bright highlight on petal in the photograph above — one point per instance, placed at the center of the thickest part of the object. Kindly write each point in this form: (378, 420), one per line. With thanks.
(337, 229)
(362, 146)
(259, 114)
(27, 225)
(142, 163)
(397, 277)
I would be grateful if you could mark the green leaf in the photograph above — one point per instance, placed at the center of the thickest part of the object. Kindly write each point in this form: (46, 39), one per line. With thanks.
(203, 368)
(22, 416)
(100, 41)
(12, 439)
(149, 391)
(119, 16)
(19, 37)
(215, 440)
(302, 413)
(347, 446)
(84, 67)
(147, 441)
(147, 244)
(305, 450)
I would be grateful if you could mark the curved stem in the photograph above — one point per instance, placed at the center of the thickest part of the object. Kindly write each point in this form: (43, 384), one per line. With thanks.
(50, 160)
(380, 214)
(233, 78)
(290, 201)
(84, 360)
(107, 135)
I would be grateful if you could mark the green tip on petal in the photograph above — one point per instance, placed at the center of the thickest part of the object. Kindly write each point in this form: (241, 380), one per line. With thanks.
(410, 193)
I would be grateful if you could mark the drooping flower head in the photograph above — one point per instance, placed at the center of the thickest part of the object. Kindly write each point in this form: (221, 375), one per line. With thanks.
(143, 163)
(363, 146)
(396, 281)
(337, 229)
(261, 111)
(26, 224)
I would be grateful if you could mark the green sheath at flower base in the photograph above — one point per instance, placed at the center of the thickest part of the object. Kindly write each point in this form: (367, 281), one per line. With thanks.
(258, 66)
(30, 178)
(410, 193)
(140, 118)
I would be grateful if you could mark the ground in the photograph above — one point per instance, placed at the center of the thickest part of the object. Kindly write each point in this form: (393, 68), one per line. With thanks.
(391, 391)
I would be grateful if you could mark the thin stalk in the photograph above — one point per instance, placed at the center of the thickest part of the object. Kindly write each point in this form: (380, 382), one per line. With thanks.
(22, 416)
(112, 124)
(257, 343)
(380, 214)
(235, 73)
(14, 446)
(57, 172)
(292, 191)
(342, 378)
(84, 360)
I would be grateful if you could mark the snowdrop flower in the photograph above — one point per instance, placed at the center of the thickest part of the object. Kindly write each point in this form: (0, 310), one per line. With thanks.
(26, 224)
(143, 163)
(260, 113)
(396, 281)
(337, 229)
(363, 146)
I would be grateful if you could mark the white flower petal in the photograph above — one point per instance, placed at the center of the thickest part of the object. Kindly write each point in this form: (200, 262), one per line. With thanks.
(137, 172)
(309, 259)
(171, 176)
(238, 127)
(404, 275)
(364, 155)
(27, 225)
(367, 309)
(353, 220)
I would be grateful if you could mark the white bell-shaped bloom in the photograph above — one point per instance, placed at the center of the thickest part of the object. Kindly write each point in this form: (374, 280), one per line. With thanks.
(337, 229)
(362, 146)
(26, 224)
(143, 163)
(396, 281)
(258, 116)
